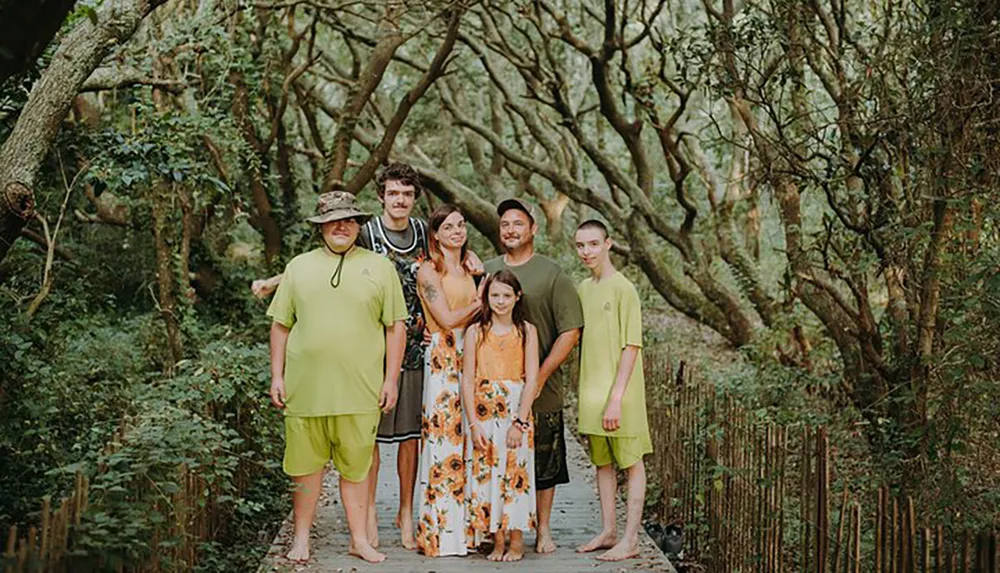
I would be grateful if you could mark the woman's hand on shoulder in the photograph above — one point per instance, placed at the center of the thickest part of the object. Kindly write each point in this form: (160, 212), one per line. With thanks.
(474, 264)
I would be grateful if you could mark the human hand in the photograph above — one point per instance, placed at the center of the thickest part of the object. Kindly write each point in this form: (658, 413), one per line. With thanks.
(612, 415)
(479, 437)
(277, 392)
(262, 288)
(387, 398)
(474, 264)
(514, 436)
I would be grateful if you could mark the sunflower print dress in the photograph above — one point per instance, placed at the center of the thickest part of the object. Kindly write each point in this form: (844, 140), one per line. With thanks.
(441, 516)
(500, 481)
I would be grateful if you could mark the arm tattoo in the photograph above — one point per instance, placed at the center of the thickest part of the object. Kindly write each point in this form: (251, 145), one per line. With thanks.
(430, 292)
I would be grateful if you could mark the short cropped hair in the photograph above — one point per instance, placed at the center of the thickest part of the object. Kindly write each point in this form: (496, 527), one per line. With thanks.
(594, 224)
(401, 172)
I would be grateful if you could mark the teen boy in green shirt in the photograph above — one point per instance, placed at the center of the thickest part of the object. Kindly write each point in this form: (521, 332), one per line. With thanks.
(337, 342)
(612, 401)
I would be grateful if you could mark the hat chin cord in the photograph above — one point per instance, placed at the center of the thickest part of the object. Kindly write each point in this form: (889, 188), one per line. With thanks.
(338, 273)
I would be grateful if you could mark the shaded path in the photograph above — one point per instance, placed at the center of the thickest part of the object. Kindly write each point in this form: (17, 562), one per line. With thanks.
(575, 519)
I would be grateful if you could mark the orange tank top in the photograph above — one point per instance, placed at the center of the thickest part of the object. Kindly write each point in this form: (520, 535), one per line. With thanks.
(500, 356)
(459, 291)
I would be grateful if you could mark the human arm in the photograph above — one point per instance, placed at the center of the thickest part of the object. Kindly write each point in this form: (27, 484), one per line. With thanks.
(279, 341)
(516, 431)
(630, 326)
(468, 386)
(431, 293)
(557, 355)
(263, 288)
(395, 346)
(613, 408)
(568, 318)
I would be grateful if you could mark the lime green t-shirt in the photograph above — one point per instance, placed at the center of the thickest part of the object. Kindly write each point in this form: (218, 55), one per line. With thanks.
(612, 320)
(335, 357)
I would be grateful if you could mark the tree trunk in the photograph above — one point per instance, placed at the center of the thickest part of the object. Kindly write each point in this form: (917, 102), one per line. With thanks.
(261, 216)
(79, 54)
(165, 280)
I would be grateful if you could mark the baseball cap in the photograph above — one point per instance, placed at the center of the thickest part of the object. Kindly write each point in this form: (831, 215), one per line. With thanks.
(515, 203)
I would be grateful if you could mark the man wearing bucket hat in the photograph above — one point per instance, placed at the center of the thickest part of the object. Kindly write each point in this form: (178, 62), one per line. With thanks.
(337, 343)
(402, 239)
(553, 307)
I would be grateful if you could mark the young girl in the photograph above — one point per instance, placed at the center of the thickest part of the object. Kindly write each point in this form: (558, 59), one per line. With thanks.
(499, 383)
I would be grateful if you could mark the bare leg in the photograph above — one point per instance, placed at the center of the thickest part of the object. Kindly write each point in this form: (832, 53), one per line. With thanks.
(607, 488)
(356, 496)
(406, 466)
(499, 544)
(304, 498)
(628, 547)
(516, 550)
(543, 501)
(372, 510)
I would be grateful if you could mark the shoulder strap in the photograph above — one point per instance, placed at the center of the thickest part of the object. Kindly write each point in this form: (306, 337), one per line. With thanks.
(420, 230)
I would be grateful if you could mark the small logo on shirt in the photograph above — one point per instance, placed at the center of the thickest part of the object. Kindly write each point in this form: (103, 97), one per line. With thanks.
(365, 272)
(607, 306)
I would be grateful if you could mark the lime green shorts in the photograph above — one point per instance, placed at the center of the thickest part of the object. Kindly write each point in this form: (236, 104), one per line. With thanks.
(348, 440)
(624, 451)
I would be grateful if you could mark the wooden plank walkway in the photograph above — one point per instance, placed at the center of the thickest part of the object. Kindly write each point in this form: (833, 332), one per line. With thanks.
(575, 519)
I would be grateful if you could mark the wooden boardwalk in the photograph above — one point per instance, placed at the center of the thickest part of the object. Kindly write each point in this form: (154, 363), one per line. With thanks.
(575, 519)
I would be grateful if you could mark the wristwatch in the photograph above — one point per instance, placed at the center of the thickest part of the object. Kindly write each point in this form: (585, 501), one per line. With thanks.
(520, 423)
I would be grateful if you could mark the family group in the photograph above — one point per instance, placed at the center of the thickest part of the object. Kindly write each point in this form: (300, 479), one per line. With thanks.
(394, 332)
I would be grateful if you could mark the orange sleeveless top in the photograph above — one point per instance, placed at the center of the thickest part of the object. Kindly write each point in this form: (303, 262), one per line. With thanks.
(459, 291)
(500, 357)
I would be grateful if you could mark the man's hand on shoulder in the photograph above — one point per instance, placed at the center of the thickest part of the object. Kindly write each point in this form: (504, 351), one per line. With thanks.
(263, 288)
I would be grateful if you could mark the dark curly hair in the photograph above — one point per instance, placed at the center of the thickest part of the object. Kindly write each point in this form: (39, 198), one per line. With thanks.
(402, 172)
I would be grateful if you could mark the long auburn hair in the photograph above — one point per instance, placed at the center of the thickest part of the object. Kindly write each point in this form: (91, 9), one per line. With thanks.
(518, 314)
(434, 223)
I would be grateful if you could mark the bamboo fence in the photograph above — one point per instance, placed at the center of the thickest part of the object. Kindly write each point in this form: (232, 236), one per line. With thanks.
(758, 497)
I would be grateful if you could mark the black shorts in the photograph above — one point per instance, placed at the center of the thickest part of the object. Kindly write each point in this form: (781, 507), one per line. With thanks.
(402, 423)
(550, 450)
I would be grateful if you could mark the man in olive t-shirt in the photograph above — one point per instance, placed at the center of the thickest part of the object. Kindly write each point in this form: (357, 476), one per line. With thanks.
(553, 306)
(337, 342)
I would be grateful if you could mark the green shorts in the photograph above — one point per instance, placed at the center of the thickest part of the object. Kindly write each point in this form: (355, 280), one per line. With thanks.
(348, 440)
(623, 450)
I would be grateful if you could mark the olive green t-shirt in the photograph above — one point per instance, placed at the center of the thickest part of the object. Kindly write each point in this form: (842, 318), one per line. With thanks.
(335, 357)
(553, 306)
(613, 318)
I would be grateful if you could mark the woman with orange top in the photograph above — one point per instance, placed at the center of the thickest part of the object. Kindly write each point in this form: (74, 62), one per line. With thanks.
(450, 302)
(499, 383)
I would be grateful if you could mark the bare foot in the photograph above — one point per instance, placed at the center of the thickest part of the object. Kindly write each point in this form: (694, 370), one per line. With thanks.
(499, 544)
(299, 551)
(372, 529)
(603, 540)
(496, 554)
(621, 551)
(544, 543)
(516, 550)
(366, 551)
(405, 525)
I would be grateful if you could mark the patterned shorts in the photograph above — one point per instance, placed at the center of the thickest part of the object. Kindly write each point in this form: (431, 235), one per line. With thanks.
(550, 450)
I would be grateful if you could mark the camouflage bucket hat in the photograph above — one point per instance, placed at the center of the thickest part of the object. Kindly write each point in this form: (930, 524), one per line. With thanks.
(336, 206)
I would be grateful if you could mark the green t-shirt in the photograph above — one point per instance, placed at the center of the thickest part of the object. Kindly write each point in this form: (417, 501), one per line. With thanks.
(552, 305)
(613, 319)
(335, 357)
